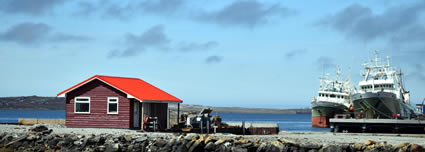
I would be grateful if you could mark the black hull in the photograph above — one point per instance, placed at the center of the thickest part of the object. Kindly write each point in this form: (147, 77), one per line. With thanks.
(380, 105)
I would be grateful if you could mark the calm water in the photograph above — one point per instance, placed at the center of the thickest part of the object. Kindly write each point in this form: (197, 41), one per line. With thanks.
(12, 116)
(286, 122)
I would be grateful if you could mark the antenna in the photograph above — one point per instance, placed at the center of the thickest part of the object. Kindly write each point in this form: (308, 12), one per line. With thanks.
(376, 57)
(338, 72)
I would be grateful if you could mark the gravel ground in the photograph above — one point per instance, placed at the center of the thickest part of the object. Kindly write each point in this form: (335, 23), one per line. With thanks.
(297, 137)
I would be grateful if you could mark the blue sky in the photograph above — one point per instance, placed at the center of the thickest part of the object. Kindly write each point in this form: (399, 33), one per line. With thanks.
(221, 53)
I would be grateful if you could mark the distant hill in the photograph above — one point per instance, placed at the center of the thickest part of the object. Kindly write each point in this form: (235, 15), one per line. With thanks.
(32, 103)
(57, 103)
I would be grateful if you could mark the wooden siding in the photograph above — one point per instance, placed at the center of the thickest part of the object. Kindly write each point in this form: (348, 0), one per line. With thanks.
(98, 117)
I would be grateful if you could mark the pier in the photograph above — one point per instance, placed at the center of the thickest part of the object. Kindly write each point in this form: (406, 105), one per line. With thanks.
(377, 125)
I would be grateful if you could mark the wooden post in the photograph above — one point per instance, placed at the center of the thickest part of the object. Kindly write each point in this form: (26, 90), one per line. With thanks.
(143, 117)
(178, 113)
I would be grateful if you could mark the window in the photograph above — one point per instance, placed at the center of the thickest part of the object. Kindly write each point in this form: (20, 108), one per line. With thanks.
(82, 105)
(112, 105)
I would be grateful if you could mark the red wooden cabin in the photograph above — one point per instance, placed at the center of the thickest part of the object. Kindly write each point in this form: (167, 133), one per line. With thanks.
(115, 102)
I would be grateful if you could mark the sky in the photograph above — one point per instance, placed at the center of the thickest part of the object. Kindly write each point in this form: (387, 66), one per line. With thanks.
(244, 53)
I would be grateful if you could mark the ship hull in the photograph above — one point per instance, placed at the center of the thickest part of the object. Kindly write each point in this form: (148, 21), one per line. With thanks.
(380, 105)
(323, 110)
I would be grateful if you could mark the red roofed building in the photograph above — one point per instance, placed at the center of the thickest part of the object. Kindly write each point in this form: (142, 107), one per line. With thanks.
(116, 102)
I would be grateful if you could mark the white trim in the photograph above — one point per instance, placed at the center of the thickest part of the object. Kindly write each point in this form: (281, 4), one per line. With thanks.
(107, 109)
(75, 104)
(128, 95)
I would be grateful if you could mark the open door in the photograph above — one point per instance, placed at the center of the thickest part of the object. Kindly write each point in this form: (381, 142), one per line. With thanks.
(136, 114)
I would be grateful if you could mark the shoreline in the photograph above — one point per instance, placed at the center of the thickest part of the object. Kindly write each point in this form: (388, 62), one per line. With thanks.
(57, 137)
(313, 137)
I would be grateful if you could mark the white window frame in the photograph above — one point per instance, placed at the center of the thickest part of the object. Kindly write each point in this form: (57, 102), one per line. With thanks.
(107, 110)
(75, 104)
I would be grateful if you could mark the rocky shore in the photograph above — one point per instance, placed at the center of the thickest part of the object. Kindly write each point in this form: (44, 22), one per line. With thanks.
(41, 138)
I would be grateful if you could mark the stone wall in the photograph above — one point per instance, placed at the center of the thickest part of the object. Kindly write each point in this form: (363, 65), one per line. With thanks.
(42, 139)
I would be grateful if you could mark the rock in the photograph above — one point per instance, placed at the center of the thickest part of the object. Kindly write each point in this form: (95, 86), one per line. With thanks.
(182, 148)
(416, 147)
(247, 145)
(68, 142)
(222, 148)
(359, 147)
(40, 128)
(141, 139)
(278, 145)
(160, 142)
(128, 138)
(31, 137)
(60, 144)
(112, 147)
(239, 149)
(242, 141)
(331, 148)
(100, 148)
(191, 136)
(210, 146)
(262, 147)
(6, 139)
(310, 146)
(286, 141)
(370, 142)
(227, 144)
(208, 139)
(197, 146)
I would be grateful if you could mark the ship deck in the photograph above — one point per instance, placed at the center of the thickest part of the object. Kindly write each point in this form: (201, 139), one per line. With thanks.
(377, 125)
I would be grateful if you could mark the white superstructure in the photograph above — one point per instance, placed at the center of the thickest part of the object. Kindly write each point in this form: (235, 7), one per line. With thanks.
(380, 76)
(334, 90)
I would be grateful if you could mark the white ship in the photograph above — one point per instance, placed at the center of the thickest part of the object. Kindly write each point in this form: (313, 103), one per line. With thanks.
(381, 93)
(333, 98)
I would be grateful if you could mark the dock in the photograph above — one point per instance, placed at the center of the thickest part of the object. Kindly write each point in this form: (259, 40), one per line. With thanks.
(377, 125)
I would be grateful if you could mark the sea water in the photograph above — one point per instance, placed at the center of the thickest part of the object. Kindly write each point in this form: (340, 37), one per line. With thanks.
(286, 122)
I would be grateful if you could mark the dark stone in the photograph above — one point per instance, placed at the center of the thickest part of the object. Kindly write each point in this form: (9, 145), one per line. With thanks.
(310, 146)
(160, 143)
(262, 147)
(239, 149)
(197, 146)
(293, 148)
(141, 139)
(144, 145)
(52, 143)
(6, 139)
(40, 129)
(272, 148)
(416, 147)
(46, 132)
(68, 142)
(332, 148)
(210, 146)
(246, 145)
(112, 147)
(153, 148)
(182, 148)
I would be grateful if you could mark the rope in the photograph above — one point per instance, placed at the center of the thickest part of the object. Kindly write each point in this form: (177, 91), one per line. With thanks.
(372, 107)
